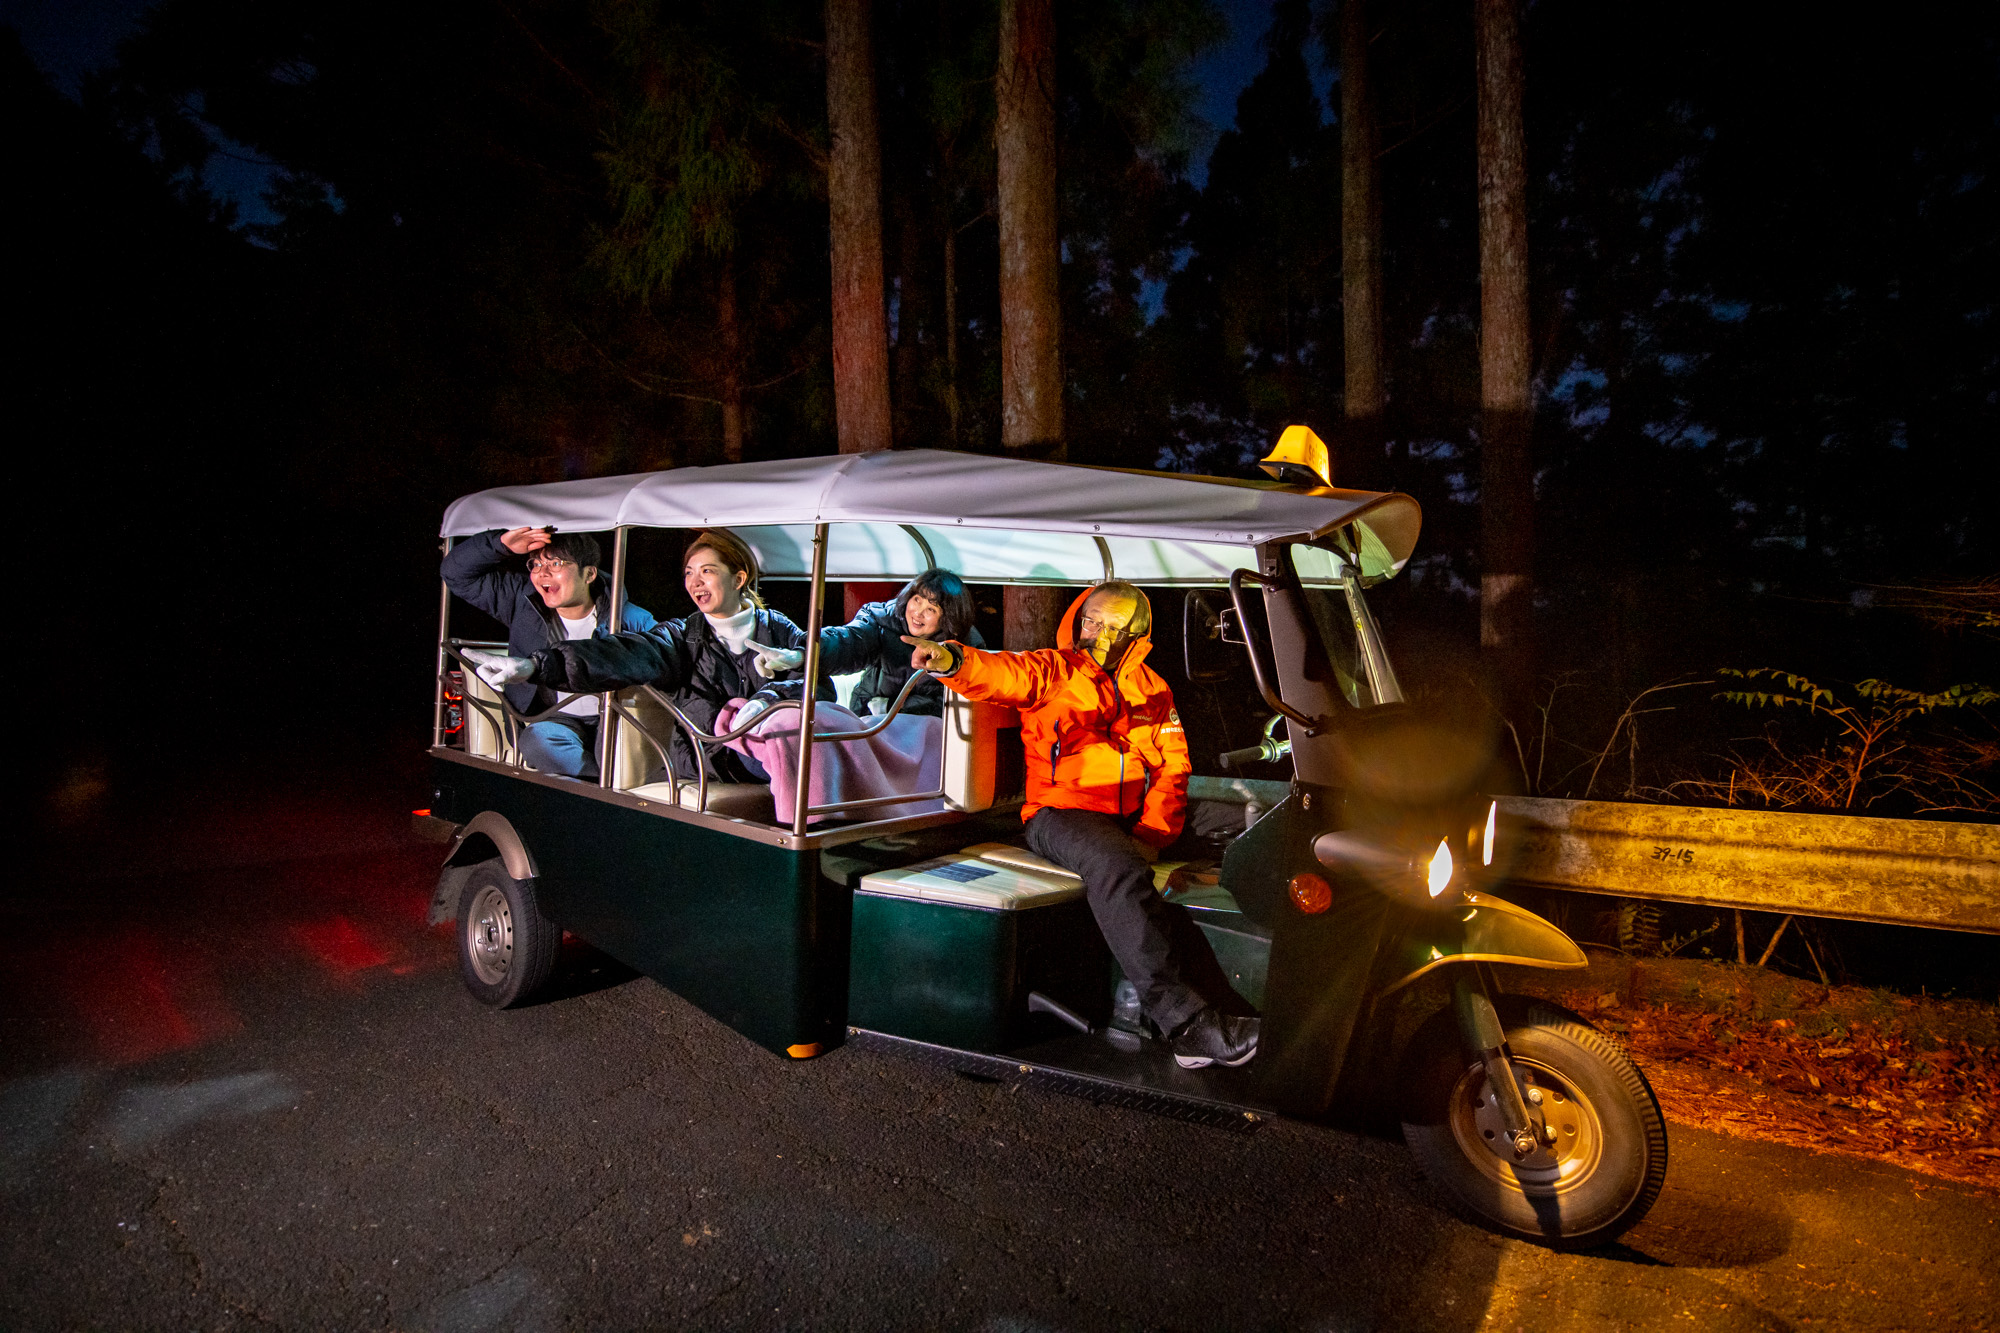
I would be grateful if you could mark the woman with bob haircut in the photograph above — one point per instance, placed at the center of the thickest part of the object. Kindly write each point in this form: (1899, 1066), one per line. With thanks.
(727, 649)
(933, 605)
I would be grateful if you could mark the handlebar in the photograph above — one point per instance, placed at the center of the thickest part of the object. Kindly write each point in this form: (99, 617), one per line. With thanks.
(1249, 754)
(1267, 750)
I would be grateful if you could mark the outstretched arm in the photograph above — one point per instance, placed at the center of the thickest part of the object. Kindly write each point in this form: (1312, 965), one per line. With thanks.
(1018, 680)
(657, 656)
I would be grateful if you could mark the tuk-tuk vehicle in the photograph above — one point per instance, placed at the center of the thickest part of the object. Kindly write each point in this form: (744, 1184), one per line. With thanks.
(1353, 906)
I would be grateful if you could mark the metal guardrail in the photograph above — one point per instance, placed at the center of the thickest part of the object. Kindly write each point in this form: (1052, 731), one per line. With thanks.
(1905, 872)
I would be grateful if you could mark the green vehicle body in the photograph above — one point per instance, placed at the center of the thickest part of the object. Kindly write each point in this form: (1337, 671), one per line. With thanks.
(772, 943)
(750, 933)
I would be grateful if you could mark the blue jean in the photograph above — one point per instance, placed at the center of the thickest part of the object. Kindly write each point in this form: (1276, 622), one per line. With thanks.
(565, 745)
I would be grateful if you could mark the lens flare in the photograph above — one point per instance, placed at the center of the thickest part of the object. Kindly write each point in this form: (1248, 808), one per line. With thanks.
(1440, 868)
(1486, 843)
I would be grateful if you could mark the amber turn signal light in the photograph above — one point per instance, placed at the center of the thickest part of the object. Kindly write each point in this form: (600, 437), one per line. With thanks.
(1311, 893)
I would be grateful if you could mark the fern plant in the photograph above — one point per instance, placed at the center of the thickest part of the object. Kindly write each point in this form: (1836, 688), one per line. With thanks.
(1868, 718)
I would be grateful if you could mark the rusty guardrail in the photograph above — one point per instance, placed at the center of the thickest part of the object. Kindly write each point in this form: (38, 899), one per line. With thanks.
(1905, 872)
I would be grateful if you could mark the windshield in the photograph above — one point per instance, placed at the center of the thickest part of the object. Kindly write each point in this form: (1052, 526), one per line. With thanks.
(1358, 663)
(1343, 649)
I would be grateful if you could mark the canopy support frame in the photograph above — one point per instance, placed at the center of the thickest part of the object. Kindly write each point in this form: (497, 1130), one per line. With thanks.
(444, 636)
(815, 613)
(607, 725)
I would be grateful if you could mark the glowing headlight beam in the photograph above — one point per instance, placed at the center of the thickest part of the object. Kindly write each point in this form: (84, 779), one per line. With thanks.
(1486, 842)
(1440, 867)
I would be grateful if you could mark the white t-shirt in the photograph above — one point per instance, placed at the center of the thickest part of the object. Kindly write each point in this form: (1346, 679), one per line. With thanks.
(580, 629)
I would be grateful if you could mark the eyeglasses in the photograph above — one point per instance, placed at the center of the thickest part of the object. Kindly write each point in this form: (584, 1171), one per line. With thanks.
(549, 562)
(1094, 624)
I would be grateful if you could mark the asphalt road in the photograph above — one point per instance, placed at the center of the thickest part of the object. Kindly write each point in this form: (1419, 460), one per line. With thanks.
(243, 1086)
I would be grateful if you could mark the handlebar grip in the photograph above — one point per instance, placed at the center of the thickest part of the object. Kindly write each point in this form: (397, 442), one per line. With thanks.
(1236, 758)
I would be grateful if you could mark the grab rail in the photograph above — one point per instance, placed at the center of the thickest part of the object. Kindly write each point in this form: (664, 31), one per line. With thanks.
(1237, 579)
(507, 711)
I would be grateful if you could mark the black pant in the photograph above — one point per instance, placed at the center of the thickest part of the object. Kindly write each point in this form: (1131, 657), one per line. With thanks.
(1162, 951)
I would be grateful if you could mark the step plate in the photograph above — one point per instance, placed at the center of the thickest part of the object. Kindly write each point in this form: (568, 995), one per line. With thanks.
(1097, 1068)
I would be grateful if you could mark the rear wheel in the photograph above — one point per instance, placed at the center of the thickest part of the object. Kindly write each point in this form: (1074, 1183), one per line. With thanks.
(506, 947)
(1609, 1155)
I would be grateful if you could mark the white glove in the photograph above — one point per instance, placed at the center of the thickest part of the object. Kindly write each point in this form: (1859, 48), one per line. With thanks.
(498, 669)
(773, 662)
(879, 705)
(751, 708)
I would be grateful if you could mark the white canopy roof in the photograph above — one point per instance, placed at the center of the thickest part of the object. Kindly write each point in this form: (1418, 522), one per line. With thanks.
(993, 520)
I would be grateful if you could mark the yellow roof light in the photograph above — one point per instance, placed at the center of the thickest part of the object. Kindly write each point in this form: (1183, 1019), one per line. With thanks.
(1300, 458)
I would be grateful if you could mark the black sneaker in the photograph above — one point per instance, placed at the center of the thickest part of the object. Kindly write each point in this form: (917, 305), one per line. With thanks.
(1212, 1037)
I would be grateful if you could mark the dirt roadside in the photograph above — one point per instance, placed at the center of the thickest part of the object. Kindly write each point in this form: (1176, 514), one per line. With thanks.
(1913, 1081)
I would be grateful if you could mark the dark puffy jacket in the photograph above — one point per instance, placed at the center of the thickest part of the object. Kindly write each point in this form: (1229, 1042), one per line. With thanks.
(872, 643)
(688, 662)
(494, 579)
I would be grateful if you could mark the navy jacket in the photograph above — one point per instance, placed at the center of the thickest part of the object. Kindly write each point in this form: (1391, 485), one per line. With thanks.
(688, 662)
(872, 643)
(494, 579)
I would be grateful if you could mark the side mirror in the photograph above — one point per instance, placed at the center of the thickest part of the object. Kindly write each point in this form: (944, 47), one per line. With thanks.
(1205, 639)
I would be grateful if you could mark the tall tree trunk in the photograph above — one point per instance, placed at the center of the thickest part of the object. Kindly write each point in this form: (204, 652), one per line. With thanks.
(1024, 141)
(1360, 251)
(854, 196)
(910, 319)
(951, 326)
(1507, 485)
(731, 339)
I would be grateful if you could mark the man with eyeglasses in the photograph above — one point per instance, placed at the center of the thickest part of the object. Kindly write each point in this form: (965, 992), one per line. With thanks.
(552, 596)
(1107, 769)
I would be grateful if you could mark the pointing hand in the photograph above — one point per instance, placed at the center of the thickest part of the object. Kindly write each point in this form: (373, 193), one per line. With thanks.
(773, 662)
(927, 656)
(498, 669)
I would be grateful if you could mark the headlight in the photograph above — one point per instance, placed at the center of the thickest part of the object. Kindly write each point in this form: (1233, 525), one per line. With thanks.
(1392, 866)
(1438, 874)
(1486, 843)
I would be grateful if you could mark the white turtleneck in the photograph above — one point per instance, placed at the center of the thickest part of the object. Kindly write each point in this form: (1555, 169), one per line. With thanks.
(735, 630)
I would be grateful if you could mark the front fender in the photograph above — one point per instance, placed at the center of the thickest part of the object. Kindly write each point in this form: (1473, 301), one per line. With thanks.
(1483, 929)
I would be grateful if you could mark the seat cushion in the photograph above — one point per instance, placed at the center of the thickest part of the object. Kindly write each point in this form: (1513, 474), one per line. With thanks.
(967, 881)
(739, 800)
(1020, 858)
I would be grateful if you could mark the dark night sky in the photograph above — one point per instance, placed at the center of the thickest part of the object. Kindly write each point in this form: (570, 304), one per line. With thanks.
(69, 38)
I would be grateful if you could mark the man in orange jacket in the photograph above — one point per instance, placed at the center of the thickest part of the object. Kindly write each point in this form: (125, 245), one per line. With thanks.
(1107, 769)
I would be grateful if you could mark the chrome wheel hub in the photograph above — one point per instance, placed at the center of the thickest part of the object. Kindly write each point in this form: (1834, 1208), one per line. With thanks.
(489, 935)
(1565, 1138)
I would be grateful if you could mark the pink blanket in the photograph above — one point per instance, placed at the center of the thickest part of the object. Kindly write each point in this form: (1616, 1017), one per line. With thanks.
(905, 756)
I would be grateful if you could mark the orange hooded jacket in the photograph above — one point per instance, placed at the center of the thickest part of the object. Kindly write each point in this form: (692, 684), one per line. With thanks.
(1093, 743)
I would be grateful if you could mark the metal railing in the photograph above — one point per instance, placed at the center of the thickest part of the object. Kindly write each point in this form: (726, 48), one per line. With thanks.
(501, 713)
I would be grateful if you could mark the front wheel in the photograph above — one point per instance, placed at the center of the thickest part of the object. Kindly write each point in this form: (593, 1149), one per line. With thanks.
(1609, 1155)
(506, 947)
